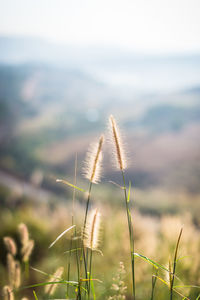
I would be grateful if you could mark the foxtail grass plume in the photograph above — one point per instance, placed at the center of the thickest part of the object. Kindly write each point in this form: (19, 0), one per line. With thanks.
(7, 293)
(14, 271)
(50, 288)
(24, 234)
(92, 168)
(10, 245)
(27, 250)
(116, 139)
(91, 236)
(11, 269)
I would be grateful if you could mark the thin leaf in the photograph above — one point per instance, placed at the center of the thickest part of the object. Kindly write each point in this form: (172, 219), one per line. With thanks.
(155, 264)
(61, 235)
(35, 296)
(116, 184)
(70, 184)
(187, 286)
(39, 271)
(73, 283)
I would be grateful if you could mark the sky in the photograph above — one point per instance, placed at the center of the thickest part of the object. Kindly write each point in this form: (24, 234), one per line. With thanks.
(158, 26)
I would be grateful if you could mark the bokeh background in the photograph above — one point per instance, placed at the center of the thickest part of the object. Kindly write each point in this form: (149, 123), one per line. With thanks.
(65, 66)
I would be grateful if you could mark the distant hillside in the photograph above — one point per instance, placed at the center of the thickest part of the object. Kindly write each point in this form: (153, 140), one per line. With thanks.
(47, 113)
(118, 68)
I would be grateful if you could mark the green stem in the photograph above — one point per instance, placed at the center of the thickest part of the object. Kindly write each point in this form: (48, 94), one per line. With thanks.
(90, 268)
(154, 278)
(130, 226)
(174, 264)
(69, 266)
(85, 257)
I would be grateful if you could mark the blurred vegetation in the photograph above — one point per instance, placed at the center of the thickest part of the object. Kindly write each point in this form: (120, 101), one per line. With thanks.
(47, 114)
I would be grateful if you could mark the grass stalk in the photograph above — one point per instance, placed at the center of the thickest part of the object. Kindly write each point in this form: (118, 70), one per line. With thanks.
(154, 279)
(90, 273)
(85, 255)
(131, 235)
(74, 232)
(174, 265)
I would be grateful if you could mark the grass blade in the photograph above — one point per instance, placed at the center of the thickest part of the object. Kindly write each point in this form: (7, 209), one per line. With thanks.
(155, 264)
(70, 184)
(65, 231)
(35, 296)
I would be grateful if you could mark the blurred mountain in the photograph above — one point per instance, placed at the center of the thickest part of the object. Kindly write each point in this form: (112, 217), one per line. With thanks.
(55, 100)
(118, 67)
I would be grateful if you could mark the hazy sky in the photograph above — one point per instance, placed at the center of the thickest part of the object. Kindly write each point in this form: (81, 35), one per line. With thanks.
(144, 25)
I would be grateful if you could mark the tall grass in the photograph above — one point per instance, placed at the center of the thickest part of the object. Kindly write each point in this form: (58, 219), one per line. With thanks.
(121, 165)
(86, 239)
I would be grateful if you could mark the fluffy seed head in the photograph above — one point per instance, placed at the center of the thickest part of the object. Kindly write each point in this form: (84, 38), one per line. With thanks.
(11, 269)
(91, 235)
(27, 250)
(50, 289)
(116, 140)
(92, 168)
(23, 232)
(10, 245)
(7, 293)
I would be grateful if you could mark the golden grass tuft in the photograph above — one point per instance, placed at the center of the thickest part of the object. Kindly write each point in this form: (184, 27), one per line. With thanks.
(10, 245)
(11, 269)
(92, 231)
(7, 293)
(50, 289)
(118, 146)
(92, 166)
(27, 250)
(24, 234)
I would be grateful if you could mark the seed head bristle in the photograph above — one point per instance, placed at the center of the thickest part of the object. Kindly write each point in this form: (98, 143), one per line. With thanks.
(10, 245)
(24, 234)
(7, 293)
(119, 151)
(50, 289)
(27, 250)
(91, 236)
(11, 269)
(92, 167)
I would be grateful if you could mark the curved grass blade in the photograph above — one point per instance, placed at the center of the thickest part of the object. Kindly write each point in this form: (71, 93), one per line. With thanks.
(70, 184)
(116, 184)
(65, 231)
(155, 264)
(72, 283)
